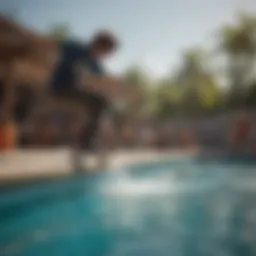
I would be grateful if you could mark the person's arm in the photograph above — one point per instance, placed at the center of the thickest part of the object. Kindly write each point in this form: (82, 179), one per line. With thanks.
(95, 79)
(110, 86)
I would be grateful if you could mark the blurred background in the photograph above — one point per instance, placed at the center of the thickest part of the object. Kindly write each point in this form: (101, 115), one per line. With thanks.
(192, 65)
(181, 155)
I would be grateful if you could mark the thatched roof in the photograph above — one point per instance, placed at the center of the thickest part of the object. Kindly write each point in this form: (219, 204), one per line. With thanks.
(13, 38)
(34, 54)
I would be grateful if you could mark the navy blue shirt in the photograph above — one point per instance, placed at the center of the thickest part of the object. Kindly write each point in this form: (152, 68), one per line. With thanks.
(71, 54)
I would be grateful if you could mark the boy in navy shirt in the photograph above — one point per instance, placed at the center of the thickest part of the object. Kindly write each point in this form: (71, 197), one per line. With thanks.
(65, 77)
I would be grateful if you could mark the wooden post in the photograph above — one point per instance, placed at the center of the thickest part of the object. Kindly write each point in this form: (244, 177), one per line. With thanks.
(7, 126)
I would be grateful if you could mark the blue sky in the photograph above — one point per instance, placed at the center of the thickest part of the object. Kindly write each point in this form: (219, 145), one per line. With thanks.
(153, 32)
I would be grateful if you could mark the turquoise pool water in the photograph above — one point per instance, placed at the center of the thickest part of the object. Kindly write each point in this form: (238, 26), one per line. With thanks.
(187, 207)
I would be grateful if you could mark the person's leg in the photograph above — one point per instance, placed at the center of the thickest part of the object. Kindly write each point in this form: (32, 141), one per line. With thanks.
(96, 105)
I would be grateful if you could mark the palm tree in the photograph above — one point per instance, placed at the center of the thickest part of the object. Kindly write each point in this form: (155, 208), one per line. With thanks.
(168, 97)
(238, 42)
(137, 81)
(197, 86)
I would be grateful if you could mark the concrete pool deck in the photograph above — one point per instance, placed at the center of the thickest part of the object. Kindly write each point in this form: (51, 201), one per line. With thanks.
(23, 165)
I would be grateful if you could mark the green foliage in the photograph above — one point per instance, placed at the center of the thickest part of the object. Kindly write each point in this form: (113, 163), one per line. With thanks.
(238, 42)
(194, 89)
(138, 83)
(250, 98)
(59, 31)
(239, 38)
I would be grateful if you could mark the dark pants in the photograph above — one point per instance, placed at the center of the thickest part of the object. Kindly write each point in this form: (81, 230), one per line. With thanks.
(96, 104)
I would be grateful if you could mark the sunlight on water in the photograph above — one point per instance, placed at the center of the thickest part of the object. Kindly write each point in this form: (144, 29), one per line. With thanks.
(124, 185)
(129, 201)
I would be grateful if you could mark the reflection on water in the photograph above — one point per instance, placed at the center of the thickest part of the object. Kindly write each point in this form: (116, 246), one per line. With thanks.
(130, 202)
(185, 208)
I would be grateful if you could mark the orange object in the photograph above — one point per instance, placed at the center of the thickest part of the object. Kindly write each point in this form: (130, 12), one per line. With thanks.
(187, 138)
(7, 136)
(241, 132)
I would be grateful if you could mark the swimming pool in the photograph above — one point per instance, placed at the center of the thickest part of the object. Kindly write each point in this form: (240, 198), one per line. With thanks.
(186, 207)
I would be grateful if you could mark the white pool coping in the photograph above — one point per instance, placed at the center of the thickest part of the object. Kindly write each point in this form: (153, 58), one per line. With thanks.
(36, 164)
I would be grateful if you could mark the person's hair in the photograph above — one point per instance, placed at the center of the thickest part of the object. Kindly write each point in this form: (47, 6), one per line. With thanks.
(105, 40)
